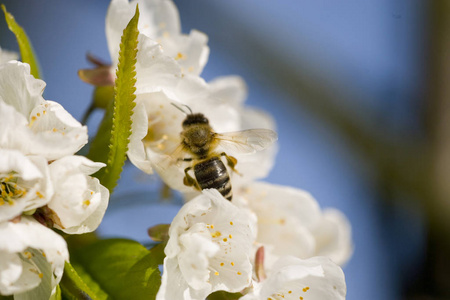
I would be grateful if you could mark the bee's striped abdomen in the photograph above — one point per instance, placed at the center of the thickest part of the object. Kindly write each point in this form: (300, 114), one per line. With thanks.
(212, 174)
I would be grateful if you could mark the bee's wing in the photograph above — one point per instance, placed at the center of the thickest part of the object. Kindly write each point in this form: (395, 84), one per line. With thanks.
(167, 161)
(247, 141)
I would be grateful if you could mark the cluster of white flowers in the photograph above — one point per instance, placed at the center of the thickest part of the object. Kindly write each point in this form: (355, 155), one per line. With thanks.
(212, 241)
(43, 185)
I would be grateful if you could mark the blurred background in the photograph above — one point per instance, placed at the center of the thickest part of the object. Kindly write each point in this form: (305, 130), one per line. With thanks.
(359, 93)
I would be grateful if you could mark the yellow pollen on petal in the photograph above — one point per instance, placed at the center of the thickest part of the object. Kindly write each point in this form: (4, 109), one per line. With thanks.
(290, 292)
(232, 263)
(180, 56)
(230, 236)
(239, 273)
(212, 226)
(41, 275)
(38, 114)
(306, 289)
(225, 239)
(54, 130)
(27, 254)
(221, 264)
(33, 118)
(86, 202)
(216, 234)
(301, 298)
(39, 194)
(231, 223)
(44, 112)
(217, 273)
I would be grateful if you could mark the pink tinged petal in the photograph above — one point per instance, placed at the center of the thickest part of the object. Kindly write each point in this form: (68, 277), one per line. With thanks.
(20, 89)
(259, 264)
(100, 76)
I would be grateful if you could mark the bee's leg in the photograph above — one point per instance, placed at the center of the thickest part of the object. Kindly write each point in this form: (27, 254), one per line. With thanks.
(231, 161)
(188, 180)
(185, 159)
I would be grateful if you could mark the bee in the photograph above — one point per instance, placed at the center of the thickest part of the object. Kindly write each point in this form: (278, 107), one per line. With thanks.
(201, 143)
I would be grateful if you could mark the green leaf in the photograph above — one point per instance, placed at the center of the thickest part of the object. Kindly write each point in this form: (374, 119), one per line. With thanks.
(73, 286)
(25, 47)
(123, 269)
(117, 120)
(222, 295)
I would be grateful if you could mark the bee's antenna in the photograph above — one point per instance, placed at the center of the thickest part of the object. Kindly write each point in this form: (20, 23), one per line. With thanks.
(182, 110)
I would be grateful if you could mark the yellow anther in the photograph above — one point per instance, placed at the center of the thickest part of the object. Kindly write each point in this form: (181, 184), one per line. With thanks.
(225, 239)
(232, 263)
(221, 264)
(86, 202)
(231, 223)
(41, 275)
(230, 236)
(216, 234)
(216, 273)
(239, 273)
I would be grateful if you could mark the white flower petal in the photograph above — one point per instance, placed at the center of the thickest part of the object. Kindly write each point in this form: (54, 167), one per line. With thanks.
(6, 56)
(317, 278)
(79, 201)
(334, 236)
(58, 133)
(20, 89)
(190, 51)
(211, 240)
(25, 183)
(156, 18)
(285, 216)
(229, 89)
(10, 271)
(29, 241)
(154, 69)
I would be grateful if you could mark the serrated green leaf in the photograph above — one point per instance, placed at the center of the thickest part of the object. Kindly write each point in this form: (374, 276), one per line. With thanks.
(124, 269)
(74, 287)
(25, 47)
(117, 119)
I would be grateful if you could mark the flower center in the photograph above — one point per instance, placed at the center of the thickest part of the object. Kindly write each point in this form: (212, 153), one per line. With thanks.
(10, 190)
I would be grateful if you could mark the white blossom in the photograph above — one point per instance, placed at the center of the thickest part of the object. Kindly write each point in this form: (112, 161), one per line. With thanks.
(316, 278)
(31, 124)
(208, 249)
(6, 55)
(80, 201)
(31, 259)
(24, 183)
(290, 222)
(160, 21)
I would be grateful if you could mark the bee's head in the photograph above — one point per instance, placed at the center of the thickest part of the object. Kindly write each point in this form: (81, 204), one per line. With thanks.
(195, 119)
